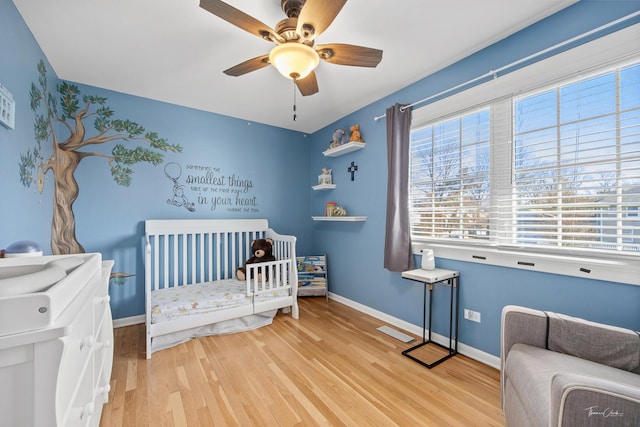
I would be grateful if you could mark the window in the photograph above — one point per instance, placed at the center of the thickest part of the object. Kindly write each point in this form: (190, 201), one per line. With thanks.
(449, 193)
(553, 169)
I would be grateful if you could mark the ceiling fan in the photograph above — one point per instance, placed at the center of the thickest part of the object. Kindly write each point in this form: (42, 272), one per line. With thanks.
(294, 55)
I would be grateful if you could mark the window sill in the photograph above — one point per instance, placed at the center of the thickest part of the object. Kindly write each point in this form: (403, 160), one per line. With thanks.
(620, 270)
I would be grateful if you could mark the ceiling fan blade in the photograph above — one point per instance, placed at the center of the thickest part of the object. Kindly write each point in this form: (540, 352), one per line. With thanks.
(316, 16)
(347, 54)
(308, 85)
(240, 19)
(248, 66)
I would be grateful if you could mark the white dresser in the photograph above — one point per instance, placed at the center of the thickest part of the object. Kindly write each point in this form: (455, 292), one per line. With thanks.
(58, 374)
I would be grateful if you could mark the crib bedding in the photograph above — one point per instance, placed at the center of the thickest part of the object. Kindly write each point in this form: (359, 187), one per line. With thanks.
(231, 326)
(177, 302)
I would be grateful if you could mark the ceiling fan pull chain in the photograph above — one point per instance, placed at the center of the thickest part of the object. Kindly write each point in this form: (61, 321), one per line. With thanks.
(294, 100)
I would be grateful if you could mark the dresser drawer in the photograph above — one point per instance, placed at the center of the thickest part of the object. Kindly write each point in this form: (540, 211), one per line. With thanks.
(76, 357)
(83, 407)
(103, 354)
(100, 302)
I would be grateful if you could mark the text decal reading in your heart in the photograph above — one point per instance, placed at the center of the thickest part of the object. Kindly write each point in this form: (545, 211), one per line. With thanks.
(211, 188)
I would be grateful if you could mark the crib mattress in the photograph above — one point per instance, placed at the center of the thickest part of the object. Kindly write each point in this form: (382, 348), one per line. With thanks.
(172, 303)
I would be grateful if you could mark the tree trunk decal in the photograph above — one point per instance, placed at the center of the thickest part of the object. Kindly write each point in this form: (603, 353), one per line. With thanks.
(68, 113)
(65, 193)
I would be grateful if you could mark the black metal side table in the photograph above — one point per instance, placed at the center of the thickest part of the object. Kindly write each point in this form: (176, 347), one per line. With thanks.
(429, 278)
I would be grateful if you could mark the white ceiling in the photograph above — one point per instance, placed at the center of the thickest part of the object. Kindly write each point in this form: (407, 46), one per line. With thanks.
(174, 51)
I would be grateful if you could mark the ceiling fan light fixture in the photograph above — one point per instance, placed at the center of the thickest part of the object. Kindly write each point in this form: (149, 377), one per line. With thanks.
(294, 60)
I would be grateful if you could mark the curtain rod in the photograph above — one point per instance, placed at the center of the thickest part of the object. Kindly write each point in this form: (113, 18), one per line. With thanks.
(495, 72)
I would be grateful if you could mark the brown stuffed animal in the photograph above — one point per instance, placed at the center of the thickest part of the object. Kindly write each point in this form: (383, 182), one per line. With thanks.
(355, 134)
(262, 250)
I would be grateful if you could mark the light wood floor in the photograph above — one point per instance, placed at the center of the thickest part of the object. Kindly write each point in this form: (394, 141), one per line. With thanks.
(331, 367)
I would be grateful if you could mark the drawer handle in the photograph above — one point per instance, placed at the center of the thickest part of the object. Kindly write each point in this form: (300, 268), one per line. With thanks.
(86, 342)
(87, 410)
(102, 300)
(104, 391)
(103, 345)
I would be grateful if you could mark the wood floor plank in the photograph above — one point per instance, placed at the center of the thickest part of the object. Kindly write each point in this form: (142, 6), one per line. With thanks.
(331, 367)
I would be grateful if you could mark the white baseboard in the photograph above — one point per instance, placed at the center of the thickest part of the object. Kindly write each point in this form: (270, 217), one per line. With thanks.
(128, 321)
(471, 352)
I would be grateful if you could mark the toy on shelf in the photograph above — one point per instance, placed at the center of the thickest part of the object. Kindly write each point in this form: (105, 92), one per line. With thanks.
(339, 137)
(339, 211)
(325, 177)
(355, 134)
(332, 209)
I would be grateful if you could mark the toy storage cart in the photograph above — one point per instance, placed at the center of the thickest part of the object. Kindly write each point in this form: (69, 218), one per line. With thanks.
(312, 276)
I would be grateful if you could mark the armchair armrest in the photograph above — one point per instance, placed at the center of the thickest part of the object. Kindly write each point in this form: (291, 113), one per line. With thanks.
(520, 325)
(584, 400)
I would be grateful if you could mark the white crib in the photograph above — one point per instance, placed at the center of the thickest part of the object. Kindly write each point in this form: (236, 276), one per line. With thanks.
(188, 260)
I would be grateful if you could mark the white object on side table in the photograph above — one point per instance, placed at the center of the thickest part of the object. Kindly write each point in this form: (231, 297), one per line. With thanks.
(428, 259)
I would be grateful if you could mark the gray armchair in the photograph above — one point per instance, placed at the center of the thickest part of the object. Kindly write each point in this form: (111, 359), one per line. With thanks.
(558, 370)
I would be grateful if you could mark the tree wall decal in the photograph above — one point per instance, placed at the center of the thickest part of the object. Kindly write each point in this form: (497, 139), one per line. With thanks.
(75, 114)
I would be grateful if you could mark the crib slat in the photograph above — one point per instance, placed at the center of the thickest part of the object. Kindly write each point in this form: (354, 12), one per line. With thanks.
(176, 259)
(226, 255)
(182, 241)
(165, 264)
(233, 253)
(245, 251)
(194, 259)
(155, 283)
(209, 257)
(200, 258)
(186, 258)
(222, 244)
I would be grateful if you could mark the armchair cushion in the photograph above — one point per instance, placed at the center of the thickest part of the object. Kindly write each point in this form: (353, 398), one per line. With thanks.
(609, 345)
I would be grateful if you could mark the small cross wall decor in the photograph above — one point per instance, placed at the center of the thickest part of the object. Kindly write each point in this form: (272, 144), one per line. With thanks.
(352, 169)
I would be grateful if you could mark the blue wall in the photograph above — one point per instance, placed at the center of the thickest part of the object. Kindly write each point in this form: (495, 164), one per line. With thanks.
(355, 250)
(109, 218)
(282, 168)
(24, 213)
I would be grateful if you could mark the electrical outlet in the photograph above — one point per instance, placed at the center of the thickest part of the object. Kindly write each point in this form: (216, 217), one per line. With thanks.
(474, 316)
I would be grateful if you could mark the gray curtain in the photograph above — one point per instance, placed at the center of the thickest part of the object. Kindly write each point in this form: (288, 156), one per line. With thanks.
(397, 242)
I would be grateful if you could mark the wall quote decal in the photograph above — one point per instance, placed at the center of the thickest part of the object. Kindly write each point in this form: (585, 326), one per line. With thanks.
(213, 189)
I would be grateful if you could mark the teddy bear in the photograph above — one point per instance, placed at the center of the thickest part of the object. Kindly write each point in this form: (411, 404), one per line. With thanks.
(355, 134)
(262, 250)
(338, 211)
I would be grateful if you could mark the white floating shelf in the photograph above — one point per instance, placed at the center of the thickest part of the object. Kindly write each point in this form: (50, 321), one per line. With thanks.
(344, 149)
(324, 187)
(339, 218)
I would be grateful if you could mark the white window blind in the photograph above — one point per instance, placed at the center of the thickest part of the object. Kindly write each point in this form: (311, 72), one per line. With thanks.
(554, 169)
(449, 193)
(576, 165)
